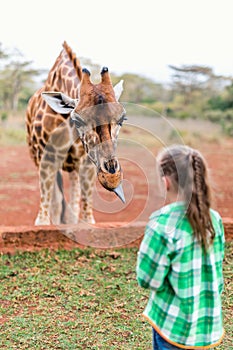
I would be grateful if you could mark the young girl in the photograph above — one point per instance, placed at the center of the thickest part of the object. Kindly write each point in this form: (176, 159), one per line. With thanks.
(180, 257)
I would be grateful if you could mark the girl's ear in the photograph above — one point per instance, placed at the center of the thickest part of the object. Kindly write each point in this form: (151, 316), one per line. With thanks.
(167, 182)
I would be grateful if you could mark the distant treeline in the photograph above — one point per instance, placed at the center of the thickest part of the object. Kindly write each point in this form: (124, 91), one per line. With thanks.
(194, 91)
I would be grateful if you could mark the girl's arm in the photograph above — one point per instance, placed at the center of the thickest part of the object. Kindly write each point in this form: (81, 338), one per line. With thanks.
(153, 262)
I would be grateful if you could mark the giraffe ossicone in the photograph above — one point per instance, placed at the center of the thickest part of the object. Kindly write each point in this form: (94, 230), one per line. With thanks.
(73, 125)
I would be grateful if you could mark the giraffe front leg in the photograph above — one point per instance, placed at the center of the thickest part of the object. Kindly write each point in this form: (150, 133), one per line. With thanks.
(87, 174)
(47, 174)
(75, 194)
(58, 205)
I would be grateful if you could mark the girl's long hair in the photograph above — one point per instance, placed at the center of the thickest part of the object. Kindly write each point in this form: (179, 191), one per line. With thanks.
(188, 172)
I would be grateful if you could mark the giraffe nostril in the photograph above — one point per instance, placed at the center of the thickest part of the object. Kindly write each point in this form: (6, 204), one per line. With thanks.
(111, 166)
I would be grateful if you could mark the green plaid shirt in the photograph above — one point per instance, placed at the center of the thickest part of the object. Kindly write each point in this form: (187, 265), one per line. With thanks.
(185, 283)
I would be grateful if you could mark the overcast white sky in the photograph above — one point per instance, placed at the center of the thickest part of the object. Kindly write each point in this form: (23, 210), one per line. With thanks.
(126, 35)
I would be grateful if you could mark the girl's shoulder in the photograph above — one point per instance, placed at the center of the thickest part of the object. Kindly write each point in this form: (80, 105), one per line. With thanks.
(178, 210)
(170, 221)
(169, 210)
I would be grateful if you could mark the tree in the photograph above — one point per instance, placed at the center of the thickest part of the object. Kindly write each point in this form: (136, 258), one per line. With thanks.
(139, 89)
(190, 78)
(3, 54)
(222, 101)
(15, 75)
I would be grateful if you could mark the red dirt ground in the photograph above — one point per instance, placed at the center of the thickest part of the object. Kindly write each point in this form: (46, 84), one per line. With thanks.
(19, 189)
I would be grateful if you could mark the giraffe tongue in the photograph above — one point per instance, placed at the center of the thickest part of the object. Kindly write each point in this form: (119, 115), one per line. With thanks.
(119, 192)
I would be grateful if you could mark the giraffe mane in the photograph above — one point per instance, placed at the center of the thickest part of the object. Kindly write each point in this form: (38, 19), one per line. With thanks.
(74, 59)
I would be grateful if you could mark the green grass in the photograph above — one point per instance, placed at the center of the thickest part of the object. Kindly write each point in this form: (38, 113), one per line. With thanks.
(10, 136)
(80, 300)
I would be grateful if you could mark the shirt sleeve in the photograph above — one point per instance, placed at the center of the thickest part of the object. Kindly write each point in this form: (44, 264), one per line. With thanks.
(222, 248)
(223, 237)
(153, 262)
(218, 246)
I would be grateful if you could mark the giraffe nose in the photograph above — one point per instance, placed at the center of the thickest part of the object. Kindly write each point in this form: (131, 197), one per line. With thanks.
(111, 166)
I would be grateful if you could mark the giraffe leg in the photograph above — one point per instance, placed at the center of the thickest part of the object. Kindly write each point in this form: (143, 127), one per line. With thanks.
(47, 175)
(87, 174)
(75, 194)
(51, 205)
(57, 206)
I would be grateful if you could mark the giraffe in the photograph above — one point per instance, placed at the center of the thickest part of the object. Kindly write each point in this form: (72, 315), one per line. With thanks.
(73, 125)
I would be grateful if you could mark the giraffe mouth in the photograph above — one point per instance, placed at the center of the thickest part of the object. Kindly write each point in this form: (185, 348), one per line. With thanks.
(112, 182)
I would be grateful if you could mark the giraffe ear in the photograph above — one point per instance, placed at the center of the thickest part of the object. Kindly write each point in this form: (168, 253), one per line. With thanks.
(59, 102)
(118, 88)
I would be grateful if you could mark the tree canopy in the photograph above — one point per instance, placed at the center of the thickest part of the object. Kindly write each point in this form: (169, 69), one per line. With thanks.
(17, 78)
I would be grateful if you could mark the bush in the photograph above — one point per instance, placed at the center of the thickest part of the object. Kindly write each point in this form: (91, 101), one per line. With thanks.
(224, 118)
(4, 116)
(156, 106)
(181, 115)
(227, 123)
(214, 115)
(217, 103)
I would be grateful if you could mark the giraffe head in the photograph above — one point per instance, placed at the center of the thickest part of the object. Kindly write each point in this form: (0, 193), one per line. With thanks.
(97, 117)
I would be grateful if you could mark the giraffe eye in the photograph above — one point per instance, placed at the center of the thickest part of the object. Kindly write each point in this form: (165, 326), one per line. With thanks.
(121, 120)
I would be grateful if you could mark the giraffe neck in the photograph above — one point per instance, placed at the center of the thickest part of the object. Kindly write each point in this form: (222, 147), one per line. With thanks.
(65, 75)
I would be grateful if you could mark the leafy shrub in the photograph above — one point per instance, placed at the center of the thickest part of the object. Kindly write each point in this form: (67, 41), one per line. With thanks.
(227, 122)
(182, 114)
(224, 118)
(156, 106)
(217, 103)
(4, 116)
(214, 115)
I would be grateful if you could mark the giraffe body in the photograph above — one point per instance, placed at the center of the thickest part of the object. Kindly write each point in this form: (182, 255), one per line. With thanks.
(72, 125)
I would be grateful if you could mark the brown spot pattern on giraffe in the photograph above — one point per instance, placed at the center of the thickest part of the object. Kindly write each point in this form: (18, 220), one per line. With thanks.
(45, 128)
